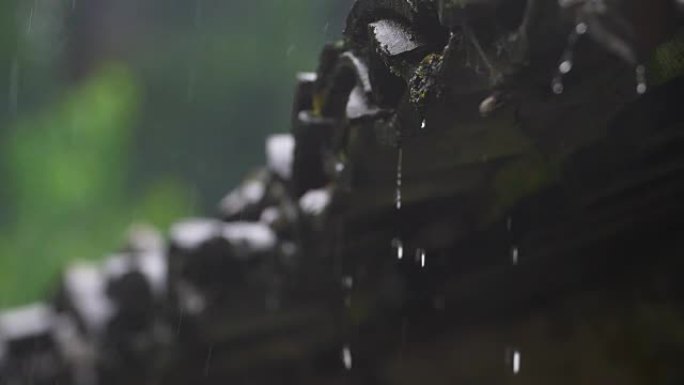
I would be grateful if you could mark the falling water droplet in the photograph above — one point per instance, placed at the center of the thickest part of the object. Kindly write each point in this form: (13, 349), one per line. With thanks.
(641, 88)
(181, 312)
(420, 257)
(641, 79)
(515, 254)
(14, 87)
(565, 67)
(339, 167)
(516, 361)
(29, 24)
(207, 363)
(557, 85)
(400, 160)
(347, 357)
(581, 28)
(567, 63)
(423, 124)
(398, 244)
(347, 282)
(509, 223)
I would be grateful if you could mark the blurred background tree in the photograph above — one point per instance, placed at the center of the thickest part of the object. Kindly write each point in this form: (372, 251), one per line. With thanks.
(121, 111)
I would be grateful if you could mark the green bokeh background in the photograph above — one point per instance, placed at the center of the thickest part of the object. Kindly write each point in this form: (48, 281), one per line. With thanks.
(115, 112)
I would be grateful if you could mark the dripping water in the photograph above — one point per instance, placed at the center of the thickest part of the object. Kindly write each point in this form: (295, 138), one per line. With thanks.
(423, 124)
(348, 282)
(516, 361)
(399, 245)
(557, 85)
(567, 58)
(179, 324)
(29, 24)
(515, 254)
(347, 357)
(347, 285)
(420, 257)
(207, 363)
(641, 79)
(397, 197)
(581, 28)
(565, 67)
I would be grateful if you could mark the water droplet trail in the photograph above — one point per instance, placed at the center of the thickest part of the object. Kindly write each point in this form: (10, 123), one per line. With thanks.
(400, 160)
(398, 244)
(642, 87)
(207, 363)
(515, 255)
(567, 58)
(421, 257)
(516, 361)
(347, 357)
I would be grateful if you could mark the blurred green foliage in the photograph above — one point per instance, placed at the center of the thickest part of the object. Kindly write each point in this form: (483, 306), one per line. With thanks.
(67, 167)
(87, 148)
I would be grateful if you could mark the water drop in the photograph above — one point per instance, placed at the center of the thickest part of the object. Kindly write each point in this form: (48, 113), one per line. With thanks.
(566, 63)
(509, 223)
(400, 160)
(347, 357)
(557, 85)
(565, 67)
(29, 24)
(515, 254)
(423, 124)
(490, 104)
(420, 256)
(347, 282)
(516, 361)
(397, 244)
(641, 79)
(641, 88)
(339, 167)
(581, 28)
